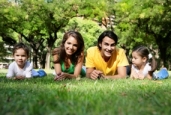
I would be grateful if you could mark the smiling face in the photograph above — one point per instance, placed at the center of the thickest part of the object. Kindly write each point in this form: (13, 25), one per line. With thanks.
(71, 45)
(20, 57)
(107, 47)
(138, 60)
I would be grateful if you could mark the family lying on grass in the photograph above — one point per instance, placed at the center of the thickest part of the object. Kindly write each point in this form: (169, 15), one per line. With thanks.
(104, 61)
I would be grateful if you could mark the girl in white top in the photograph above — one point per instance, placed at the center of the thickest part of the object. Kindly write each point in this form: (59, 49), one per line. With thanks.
(143, 63)
(20, 68)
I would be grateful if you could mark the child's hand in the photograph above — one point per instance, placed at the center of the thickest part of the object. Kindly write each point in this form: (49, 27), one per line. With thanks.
(18, 77)
(134, 74)
(141, 76)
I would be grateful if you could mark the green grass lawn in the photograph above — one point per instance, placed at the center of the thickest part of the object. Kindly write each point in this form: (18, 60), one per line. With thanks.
(43, 96)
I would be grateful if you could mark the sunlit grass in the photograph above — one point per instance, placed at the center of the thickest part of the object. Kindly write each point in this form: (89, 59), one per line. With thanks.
(49, 71)
(43, 96)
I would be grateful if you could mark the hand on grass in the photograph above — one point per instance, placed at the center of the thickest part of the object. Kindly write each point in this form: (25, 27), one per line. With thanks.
(134, 74)
(101, 76)
(138, 75)
(141, 76)
(18, 77)
(96, 74)
(60, 76)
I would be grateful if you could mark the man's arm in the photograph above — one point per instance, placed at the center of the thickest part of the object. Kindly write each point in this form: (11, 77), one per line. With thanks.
(92, 73)
(89, 71)
(62, 75)
(121, 73)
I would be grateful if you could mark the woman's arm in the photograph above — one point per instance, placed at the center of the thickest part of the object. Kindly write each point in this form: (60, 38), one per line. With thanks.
(79, 65)
(57, 65)
(77, 70)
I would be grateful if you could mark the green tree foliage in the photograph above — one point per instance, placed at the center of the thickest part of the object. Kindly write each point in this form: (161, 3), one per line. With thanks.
(39, 21)
(90, 30)
(145, 22)
(3, 52)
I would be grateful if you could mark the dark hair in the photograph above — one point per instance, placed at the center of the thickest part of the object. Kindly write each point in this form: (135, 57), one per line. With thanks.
(21, 46)
(61, 50)
(144, 52)
(109, 34)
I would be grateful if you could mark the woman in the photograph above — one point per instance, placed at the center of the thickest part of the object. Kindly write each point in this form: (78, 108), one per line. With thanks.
(68, 58)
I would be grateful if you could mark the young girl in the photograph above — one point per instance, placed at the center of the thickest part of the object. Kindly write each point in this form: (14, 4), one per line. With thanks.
(143, 63)
(20, 68)
(68, 58)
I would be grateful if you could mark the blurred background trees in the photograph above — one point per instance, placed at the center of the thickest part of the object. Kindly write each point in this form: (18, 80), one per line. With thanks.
(41, 25)
(146, 22)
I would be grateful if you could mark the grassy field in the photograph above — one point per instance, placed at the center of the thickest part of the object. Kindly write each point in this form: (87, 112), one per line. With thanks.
(43, 96)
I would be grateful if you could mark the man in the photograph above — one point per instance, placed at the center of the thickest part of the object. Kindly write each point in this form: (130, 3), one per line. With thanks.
(106, 60)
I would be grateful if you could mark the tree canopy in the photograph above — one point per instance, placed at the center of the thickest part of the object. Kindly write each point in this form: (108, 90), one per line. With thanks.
(145, 22)
(38, 22)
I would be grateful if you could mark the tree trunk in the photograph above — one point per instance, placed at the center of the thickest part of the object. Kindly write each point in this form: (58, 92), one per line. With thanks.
(162, 50)
(47, 65)
(43, 60)
(35, 60)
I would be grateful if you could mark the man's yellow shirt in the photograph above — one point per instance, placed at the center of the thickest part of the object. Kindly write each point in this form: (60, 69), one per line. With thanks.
(95, 60)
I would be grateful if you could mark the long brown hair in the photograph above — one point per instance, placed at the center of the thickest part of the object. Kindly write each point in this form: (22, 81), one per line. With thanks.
(60, 51)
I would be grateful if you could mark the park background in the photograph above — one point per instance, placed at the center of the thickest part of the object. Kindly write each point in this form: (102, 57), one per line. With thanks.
(41, 24)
